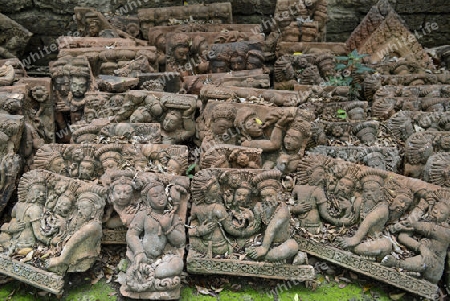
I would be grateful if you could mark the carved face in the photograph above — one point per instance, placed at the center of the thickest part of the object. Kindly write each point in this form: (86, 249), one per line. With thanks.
(269, 196)
(126, 110)
(356, 114)
(94, 28)
(125, 130)
(440, 212)
(89, 117)
(121, 195)
(237, 63)
(399, 204)
(161, 43)
(12, 105)
(156, 198)
(39, 94)
(37, 194)
(241, 197)
(58, 165)
(376, 162)
(78, 86)
(173, 167)
(172, 121)
(445, 142)
(344, 188)
(85, 209)
(372, 191)
(77, 155)
(254, 62)
(242, 159)
(253, 127)
(220, 126)
(60, 187)
(212, 193)
(317, 177)
(86, 170)
(219, 66)
(63, 206)
(293, 140)
(180, 54)
(109, 164)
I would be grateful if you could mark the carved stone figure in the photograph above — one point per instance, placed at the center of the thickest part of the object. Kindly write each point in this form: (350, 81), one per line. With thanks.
(433, 246)
(58, 215)
(155, 242)
(227, 215)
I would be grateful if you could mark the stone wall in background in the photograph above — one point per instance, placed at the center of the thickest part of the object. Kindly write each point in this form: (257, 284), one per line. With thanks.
(48, 19)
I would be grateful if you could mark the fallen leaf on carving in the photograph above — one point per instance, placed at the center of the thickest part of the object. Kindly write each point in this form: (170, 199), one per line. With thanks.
(24, 251)
(28, 257)
(218, 290)
(366, 288)
(43, 294)
(353, 276)
(396, 296)
(202, 290)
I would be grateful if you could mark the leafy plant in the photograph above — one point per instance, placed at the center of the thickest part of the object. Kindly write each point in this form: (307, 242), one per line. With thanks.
(349, 69)
(190, 169)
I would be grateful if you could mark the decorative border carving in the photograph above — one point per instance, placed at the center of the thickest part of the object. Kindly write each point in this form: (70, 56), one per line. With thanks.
(374, 270)
(47, 281)
(250, 268)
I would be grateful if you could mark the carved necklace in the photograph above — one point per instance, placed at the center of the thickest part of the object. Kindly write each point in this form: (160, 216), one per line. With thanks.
(156, 217)
(264, 218)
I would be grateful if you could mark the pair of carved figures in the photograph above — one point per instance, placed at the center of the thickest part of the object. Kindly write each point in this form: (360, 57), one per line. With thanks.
(59, 214)
(154, 214)
(192, 56)
(228, 212)
(375, 201)
(283, 129)
(173, 111)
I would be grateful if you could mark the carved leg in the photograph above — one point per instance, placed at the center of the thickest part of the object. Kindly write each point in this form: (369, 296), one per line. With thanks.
(378, 247)
(286, 250)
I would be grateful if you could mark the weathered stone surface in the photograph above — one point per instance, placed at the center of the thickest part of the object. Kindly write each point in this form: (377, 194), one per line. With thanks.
(404, 124)
(105, 61)
(102, 131)
(419, 147)
(58, 216)
(222, 230)
(257, 78)
(281, 133)
(156, 236)
(250, 95)
(345, 194)
(91, 162)
(86, 42)
(384, 158)
(175, 112)
(313, 47)
(110, 83)
(11, 163)
(14, 37)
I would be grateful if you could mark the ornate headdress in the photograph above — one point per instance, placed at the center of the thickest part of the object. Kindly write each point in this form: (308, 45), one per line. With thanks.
(109, 152)
(268, 179)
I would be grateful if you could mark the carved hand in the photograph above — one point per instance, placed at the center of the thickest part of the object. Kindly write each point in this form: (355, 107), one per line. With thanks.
(302, 207)
(16, 227)
(256, 253)
(285, 120)
(140, 258)
(347, 242)
(205, 228)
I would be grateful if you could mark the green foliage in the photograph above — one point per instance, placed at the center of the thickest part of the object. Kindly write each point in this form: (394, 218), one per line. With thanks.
(342, 114)
(348, 67)
(190, 169)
